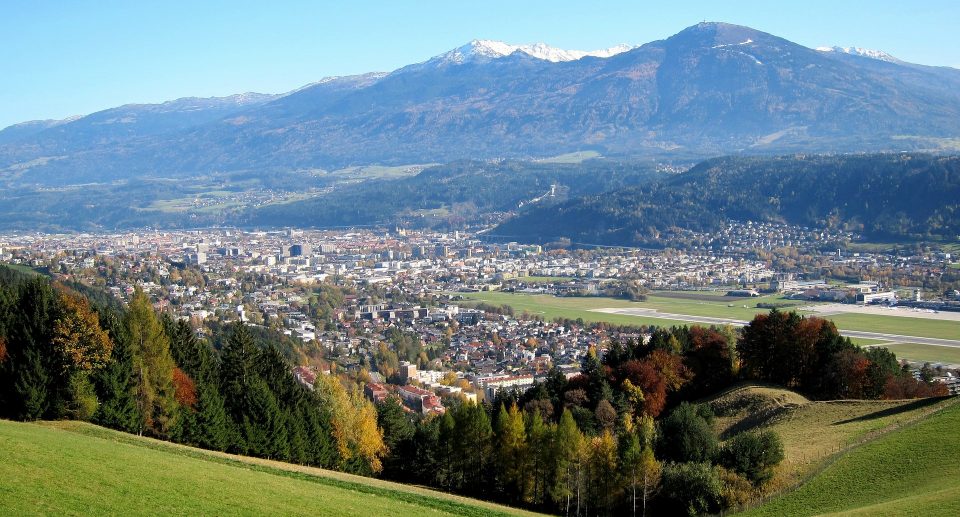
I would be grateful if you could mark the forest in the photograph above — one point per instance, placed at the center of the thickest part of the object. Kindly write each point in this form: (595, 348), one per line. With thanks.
(898, 197)
(464, 192)
(627, 435)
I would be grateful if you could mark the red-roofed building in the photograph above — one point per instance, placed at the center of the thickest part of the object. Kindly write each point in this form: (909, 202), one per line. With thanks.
(421, 400)
(375, 392)
(306, 375)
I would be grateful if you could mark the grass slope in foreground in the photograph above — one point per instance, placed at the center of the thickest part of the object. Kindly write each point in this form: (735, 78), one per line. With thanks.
(72, 468)
(812, 431)
(912, 471)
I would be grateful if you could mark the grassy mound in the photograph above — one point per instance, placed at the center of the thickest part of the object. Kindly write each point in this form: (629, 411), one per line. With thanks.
(911, 471)
(76, 468)
(812, 431)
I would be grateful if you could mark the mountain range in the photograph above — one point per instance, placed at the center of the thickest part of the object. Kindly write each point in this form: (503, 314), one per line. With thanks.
(711, 89)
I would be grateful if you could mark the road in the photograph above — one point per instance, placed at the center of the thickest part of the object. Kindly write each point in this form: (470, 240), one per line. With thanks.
(891, 338)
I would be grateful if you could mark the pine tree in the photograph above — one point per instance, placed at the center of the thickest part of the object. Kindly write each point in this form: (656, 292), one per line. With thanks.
(28, 380)
(115, 384)
(321, 451)
(472, 449)
(398, 431)
(237, 368)
(210, 423)
(189, 353)
(264, 426)
(31, 384)
(447, 476)
(297, 437)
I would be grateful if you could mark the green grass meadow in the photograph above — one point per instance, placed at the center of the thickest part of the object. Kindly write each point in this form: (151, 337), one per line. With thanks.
(72, 468)
(911, 471)
(925, 353)
(708, 305)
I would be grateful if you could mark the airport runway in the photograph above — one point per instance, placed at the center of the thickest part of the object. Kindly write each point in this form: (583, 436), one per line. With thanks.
(891, 338)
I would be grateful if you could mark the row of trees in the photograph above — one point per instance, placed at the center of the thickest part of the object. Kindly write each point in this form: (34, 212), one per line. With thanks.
(518, 457)
(590, 444)
(809, 354)
(137, 372)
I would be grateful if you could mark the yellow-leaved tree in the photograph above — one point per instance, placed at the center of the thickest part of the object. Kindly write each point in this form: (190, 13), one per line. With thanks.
(354, 422)
(152, 367)
(81, 347)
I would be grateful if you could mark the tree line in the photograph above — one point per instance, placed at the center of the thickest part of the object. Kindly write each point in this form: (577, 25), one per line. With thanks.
(136, 371)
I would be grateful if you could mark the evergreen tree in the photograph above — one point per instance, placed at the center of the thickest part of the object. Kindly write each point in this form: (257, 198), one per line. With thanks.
(448, 475)
(321, 450)
(426, 459)
(31, 383)
(189, 353)
(297, 437)
(472, 449)
(263, 424)
(237, 368)
(27, 383)
(210, 425)
(116, 385)
(398, 432)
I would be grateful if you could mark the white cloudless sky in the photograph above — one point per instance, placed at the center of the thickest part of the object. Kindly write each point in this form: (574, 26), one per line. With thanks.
(63, 58)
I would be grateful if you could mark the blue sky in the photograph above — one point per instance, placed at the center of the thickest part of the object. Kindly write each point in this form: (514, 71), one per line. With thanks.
(75, 57)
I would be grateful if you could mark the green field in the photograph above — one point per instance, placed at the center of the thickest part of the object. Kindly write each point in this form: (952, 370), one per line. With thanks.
(861, 341)
(911, 471)
(714, 306)
(901, 325)
(706, 304)
(812, 431)
(550, 307)
(925, 353)
(72, 468)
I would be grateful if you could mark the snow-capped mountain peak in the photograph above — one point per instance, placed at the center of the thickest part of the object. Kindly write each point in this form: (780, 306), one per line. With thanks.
(862, 52)
(490, 49)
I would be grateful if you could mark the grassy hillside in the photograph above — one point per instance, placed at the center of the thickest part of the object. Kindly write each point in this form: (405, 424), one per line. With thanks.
(813, 431)
(911, 471)
(71, 468)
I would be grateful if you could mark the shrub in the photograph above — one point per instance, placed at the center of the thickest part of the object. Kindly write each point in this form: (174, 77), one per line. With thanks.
(687, 434)
(691, 489)
(753, 454)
